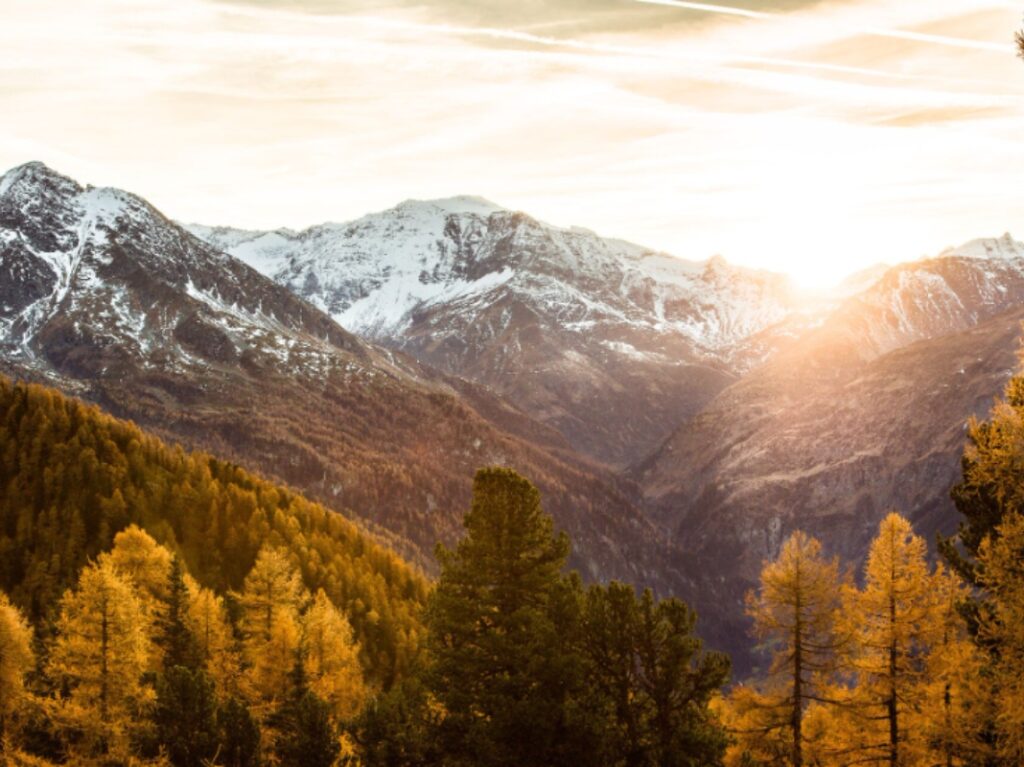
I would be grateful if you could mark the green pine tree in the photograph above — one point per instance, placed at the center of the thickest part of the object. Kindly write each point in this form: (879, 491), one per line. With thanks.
(173, 634)
(239, 735)
(650, 684)
(307, 735)
(185, 716)
(496, 669)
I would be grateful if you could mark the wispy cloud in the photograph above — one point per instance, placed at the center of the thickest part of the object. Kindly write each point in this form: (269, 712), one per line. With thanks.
(709, 8)
(788, 139)
(897, 34)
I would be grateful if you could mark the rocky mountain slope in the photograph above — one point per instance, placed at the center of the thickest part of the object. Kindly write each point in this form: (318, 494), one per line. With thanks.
(104, 297)
(610, 343)
(774, 411)
(864, 414)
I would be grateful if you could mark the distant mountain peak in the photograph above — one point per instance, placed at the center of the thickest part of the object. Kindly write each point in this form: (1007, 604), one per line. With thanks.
(37, 175)
(465, 203)
(502, 298)
(1005, 247)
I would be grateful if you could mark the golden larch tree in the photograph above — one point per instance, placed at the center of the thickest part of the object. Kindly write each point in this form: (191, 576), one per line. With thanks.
(16, 659)
(1001, 559)
(331, 658)
(794, 613)
(954, 710)
(271, 599)
(100, 653)
(207, 620)
(146, 564)
(893, 621)
(142, 560)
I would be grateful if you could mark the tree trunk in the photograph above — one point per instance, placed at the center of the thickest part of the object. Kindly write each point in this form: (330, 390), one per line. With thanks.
(798, 678)
(894, 729)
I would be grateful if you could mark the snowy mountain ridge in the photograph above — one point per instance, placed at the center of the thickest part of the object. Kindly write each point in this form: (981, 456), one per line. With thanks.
(572, 326)
(114, 280)
(375, 273)
(607, 341)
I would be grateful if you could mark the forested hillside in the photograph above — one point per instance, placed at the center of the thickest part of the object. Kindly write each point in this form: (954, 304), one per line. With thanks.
(72, 477)
(165, 608)
(159, 607)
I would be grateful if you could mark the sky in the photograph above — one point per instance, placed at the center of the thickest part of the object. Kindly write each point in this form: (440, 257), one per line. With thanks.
(811, 137)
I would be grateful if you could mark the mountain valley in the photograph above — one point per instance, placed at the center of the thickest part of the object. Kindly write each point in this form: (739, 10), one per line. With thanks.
(680, 418)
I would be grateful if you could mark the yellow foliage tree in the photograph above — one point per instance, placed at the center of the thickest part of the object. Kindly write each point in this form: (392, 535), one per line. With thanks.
(893, 620)
(794, 613)
(147, 566)
(16, 659)
(954, 710)
(271, 599)
(331, 658)
(207, 620)
(143, 561)
(1001, 561)
(100, 653)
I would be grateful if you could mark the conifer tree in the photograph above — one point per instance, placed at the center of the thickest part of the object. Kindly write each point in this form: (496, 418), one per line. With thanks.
(1002, 629)
(214, 641)
(173, 634)
(501, 689)
(239, 734)
(893, 622)
(16, 659)
(308, 735)
(331, 658)
(611, 624)
(184, 716)
(398, 727)
(680, 681)
(144, 562)
(271, 598)
(100, 653)
(794, 611)
(955, 707)
(990, 488)
(146, 565)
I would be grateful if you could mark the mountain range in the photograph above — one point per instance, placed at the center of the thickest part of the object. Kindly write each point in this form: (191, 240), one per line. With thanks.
(607, 342)
(105, 298)
(680, 417)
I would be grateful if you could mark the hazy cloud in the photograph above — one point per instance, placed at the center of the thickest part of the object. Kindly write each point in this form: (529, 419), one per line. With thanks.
(798, 141)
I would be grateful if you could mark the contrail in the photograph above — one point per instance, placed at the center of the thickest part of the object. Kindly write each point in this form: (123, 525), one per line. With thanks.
(920, 37)
(686, 56)
(582, 46)
(708, 8)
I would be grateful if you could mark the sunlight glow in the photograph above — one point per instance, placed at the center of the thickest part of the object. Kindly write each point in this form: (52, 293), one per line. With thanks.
(817, 140)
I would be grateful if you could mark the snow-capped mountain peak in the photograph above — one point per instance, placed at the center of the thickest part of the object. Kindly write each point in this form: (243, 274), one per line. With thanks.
(375, 274)
(100, 277)
(1005, 247)
(489, 294)
(466, 203)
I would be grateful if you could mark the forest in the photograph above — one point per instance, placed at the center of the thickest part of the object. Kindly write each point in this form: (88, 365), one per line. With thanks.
(162, 607)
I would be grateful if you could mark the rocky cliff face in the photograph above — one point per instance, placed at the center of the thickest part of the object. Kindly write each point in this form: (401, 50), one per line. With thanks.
(866, 413)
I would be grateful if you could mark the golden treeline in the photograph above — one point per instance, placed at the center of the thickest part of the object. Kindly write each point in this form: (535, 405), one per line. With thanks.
(72, 476)
(885, 672)
(93, 681)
